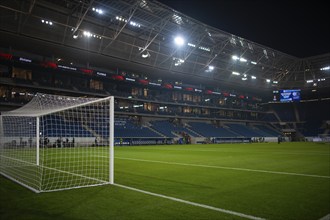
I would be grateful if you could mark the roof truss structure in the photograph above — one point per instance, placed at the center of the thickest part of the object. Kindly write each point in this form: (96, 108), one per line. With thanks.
(142, 32)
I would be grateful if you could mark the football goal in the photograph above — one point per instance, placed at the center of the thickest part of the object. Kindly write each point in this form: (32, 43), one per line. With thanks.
(58, 142)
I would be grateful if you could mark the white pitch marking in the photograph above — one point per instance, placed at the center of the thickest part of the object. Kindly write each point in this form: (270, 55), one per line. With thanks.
(227, 168)
(191, 203)
(316, 153)
(327, 217)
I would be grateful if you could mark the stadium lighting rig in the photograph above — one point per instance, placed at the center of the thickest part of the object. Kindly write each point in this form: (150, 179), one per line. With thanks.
(178, 61)
(97, 10)
(46, 22)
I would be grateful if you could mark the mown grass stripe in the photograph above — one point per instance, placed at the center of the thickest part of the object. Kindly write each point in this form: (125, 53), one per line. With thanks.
(227, 168)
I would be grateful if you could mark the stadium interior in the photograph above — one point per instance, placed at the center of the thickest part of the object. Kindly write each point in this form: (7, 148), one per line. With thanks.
(175, 79)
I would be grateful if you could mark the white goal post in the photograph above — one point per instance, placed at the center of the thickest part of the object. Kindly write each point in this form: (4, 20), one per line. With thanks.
(58, 142)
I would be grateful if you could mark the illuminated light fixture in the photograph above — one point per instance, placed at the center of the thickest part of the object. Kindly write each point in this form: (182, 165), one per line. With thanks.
(204, 48)
(191, 45)
(268, 80)
(242, 59)
(134, 24)
(88, 35)
(177, 19)
(179, 41)
(46, 22)
(119, 18)
(234, 57)
(236, 73)
(254, 63)
(178, 61)
(97, 10)
(275, 82)
(253, 77)
(314, 90)
(210, 69)
(244, 78)
(145, 54)
(244, 75)
(325, 68)
(309, 81)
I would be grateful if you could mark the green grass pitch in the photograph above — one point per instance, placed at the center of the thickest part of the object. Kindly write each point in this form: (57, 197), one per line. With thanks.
(265, 180)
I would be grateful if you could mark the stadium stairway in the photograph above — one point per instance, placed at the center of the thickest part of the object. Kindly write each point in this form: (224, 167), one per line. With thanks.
(157, 132)
(276, 115)
(193, 132)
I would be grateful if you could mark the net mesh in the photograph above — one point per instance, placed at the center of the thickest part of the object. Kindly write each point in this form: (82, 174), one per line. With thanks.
(57, 142)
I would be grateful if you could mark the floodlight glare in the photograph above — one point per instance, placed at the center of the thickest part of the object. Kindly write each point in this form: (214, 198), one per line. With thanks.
(268, 80)
(179, 41)
(253, 77)
(236, 73)
(211, 68)
(234, 57)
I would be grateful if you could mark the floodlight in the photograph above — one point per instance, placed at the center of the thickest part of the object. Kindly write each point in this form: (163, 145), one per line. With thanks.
(268, 80)
(254, 63)
(253, 77)
(211, 68)
(236, 73)
(234, 57)
(191, 45)
(179, 41)
(97, 10)
(242, 59)
(325, 68)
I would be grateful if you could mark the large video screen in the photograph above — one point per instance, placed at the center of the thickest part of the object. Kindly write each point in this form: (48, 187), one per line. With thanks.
(289, 95)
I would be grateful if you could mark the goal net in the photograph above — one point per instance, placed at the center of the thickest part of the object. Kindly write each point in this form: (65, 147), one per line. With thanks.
(58, 142)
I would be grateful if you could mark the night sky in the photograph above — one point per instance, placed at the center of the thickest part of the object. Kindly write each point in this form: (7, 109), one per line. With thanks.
(296, 28)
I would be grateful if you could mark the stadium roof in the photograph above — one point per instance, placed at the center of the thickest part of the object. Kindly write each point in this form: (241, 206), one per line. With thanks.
(141, 35)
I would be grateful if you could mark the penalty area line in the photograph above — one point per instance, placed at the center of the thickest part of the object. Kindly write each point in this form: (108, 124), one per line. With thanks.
(242, 215)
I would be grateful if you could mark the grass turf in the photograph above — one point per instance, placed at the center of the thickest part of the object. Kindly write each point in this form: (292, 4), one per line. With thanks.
(172, 170)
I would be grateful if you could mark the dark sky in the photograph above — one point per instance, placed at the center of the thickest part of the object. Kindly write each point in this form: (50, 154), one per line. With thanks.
(296, 28)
